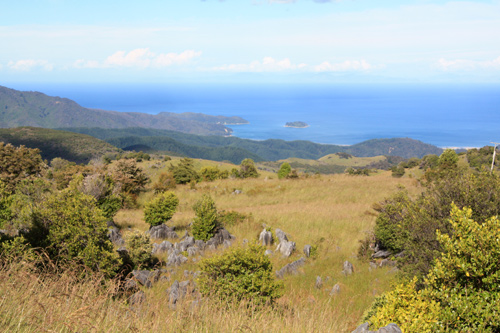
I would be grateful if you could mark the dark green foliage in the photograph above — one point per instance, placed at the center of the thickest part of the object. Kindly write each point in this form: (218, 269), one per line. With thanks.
(102, 188)
(429, 162)
(412, 162)
(78, 148)
(409, 225)
(343, 155)
(210, 174)
(5, 210)
(448, 159)
(30, 196)
(184, 172)
(235, 149)
(206, 222)
(482, 158)
(161, 208)
(284, 170)
(398, 171)
(357, 172)
(18, 163)
(139, 249)
(248, 169)
(72, 229)
(241, 274)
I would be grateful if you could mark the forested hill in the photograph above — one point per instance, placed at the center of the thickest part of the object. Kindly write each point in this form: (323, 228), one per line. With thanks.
(79, 148)
(270, 150)
(26, 108)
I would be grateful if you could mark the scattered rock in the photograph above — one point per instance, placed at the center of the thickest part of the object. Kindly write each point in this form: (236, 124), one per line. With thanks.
(372, 266)
(348, 268)
(286, 248)
(381, 254)
(220, 236)
(387, 262)
(176, 259)
(280, 234)
(146, 278)
(236, 192)
(307, 250)
(200, 244)
(291, 268)
(162, 231)
(266, 237)
(115, 237)
(268, 253)
(130, 285)
(365, 328)
(137, 298)
(109, 223)
(335, 290)
(185, 244)
(179, 290)
(193, 251)
(319, 282)
(164, 246)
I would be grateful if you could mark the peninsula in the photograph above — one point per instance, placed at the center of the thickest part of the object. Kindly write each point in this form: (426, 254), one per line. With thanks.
(297, 124)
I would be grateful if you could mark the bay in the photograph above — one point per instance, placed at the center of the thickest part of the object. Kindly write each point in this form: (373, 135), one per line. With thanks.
(443, 115)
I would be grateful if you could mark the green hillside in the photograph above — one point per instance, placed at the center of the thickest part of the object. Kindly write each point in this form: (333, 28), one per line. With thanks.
(27, 108)
(74, 147)
(269, 150)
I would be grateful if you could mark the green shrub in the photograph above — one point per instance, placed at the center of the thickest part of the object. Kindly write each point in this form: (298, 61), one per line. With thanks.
(72, 229)
(161, 208)
(284, 170)
(5, 202)
(210, 174)
(184, 172)
(461, 292)
(206, 222)
(241, 274)
(248, 169)
(139, 249)
(398, 171)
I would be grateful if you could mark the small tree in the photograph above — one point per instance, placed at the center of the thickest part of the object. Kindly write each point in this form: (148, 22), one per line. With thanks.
(206, 221)
(248, 169)
(184, 172)
(284, 170)
(210, 174)
(448, 159)
(242, 274)
(161, 208)
(165, 182)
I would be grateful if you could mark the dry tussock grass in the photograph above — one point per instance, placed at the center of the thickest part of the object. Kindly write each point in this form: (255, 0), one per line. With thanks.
(331, 212)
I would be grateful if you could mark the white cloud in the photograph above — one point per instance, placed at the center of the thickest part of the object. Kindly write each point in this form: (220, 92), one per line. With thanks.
(268, 64)
(348, 65)
(29, 64)
(465, 64)
(140, 58)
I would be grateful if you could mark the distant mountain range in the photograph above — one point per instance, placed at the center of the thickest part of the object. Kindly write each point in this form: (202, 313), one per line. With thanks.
(27, 108)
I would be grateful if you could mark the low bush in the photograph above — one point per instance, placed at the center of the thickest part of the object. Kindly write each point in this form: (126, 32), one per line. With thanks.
(241, 274)
(161, 208)
(206, 222)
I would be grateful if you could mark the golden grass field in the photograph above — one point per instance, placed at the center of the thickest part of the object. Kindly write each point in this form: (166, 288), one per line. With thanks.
(332, 212)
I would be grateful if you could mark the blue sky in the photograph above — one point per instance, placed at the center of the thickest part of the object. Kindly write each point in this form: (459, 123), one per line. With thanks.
(250, 41)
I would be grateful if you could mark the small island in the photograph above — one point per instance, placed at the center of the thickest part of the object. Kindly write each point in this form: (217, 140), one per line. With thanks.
(297, 124)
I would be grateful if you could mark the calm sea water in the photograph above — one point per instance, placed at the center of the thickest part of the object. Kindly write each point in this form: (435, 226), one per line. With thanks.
(443, 115)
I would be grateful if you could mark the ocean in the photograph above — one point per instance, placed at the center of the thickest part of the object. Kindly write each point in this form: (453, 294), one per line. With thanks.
(443, 115)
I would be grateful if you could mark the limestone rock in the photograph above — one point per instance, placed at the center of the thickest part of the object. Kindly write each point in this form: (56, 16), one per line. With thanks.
(365, 328)
(280, 234)
(137, 298)
(162, 231)
(291, 268)
(307, 250)
(381, 254)
(115, 237)
(164, 246)
(176, 259)
(348, 268)
(319, 282)
(266, 238)
(286, 248)
(335, 290)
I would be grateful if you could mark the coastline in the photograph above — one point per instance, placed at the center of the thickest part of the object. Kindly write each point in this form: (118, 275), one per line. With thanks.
(296, 126)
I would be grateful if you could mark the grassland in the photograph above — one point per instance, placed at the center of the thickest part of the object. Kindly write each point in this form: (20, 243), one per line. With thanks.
(332, 212)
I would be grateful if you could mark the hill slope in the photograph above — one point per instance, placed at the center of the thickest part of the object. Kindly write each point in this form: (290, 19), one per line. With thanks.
(24, 108)
(74, 147)
(269, 150)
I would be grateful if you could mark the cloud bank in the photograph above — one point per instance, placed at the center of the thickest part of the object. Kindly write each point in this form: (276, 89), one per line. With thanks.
(464, 64)
(140, 58)
(26, 65)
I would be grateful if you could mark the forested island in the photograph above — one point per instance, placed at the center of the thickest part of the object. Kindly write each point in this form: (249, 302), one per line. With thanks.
(297, 124)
